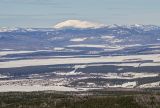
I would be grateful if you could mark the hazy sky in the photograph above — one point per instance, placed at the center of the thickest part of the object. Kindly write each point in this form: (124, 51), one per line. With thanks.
(46, 13)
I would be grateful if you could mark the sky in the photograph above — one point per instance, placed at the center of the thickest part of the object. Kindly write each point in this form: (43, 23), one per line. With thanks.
(46, 13)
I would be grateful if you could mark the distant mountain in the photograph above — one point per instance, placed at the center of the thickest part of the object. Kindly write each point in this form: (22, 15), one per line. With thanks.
(84, 36)
(77, 24)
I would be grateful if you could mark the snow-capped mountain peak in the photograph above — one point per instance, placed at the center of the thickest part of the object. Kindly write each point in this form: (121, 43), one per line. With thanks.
(78, 24)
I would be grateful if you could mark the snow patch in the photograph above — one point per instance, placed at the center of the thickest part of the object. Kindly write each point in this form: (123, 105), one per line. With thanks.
(3, 76)
(107, 37)
(87, 45)
(150, 85)
(129, 84)
(58, 48)
(78, 39)
(68, 73)
(3, 53)
(158, 39)
(124, 85)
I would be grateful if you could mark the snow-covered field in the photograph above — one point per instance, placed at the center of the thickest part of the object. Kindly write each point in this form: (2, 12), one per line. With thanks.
(66, 81)
(12, 88)
(54, 61)
(28, 85)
